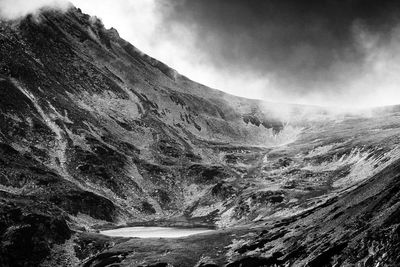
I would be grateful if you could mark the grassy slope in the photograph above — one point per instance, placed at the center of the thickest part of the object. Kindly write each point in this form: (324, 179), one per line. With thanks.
(96, 132)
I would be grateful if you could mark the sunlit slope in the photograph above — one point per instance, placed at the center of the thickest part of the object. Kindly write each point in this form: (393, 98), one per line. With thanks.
(93, 109)
(95, 133)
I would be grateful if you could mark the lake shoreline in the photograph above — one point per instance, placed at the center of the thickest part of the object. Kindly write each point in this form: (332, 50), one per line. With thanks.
(154, 232)
(180, 222)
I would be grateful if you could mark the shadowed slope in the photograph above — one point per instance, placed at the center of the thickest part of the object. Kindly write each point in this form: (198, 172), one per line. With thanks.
(93, 134)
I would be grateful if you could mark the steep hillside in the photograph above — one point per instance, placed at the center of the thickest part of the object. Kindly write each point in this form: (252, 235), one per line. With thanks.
(114, 123)
(95, 134)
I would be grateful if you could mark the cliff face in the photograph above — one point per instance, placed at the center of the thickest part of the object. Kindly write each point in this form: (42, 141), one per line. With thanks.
(94, 132)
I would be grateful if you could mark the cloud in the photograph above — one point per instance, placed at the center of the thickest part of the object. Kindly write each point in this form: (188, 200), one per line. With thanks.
(144, 24)
(282, 51)
(14, 9)
(378, 82)
(293, 51)
(311, 52)
(137, 21)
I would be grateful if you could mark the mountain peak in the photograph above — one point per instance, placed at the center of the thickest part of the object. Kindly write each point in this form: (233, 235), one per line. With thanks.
(94, 134)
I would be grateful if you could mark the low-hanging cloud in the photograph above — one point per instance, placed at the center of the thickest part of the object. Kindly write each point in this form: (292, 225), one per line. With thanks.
(378, 82)
(14, 9)
(338, 53)
(312, 52)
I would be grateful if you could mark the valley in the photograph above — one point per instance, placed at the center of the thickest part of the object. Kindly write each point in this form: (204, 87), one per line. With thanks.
(96, 135)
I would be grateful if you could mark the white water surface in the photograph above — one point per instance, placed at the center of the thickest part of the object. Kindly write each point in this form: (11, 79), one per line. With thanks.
(154, 232)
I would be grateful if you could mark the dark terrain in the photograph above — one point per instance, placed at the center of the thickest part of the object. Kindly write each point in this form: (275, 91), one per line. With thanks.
(95, 135)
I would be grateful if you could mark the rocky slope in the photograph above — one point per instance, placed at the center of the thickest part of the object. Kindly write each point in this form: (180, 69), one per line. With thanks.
(94, 134)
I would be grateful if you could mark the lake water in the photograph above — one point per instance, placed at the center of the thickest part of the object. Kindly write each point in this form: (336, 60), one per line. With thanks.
(154, 232)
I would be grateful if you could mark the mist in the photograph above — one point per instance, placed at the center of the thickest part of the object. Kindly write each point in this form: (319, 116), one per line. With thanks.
(14, 9)
(315, 52)
(325, 53)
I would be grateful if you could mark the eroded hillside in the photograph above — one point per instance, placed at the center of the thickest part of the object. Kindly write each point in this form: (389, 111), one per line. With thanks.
(94, 110)
(94, 133)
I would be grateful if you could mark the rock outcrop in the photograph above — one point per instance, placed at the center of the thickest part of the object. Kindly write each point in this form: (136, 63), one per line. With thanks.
(94, 133)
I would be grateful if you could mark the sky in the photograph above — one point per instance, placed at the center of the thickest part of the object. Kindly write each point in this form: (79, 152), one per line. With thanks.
(321, 52)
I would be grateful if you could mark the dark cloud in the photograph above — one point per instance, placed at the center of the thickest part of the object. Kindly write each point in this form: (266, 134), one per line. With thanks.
(325, 52)
(302, 46)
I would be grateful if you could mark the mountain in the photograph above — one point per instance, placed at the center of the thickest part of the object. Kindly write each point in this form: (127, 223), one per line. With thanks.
(94, 134)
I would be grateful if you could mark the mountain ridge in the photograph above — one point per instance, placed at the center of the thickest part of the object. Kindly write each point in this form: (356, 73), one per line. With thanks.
(94, 134)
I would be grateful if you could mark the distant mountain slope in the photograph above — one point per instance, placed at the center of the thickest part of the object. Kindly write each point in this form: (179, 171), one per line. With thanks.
(94, 133)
